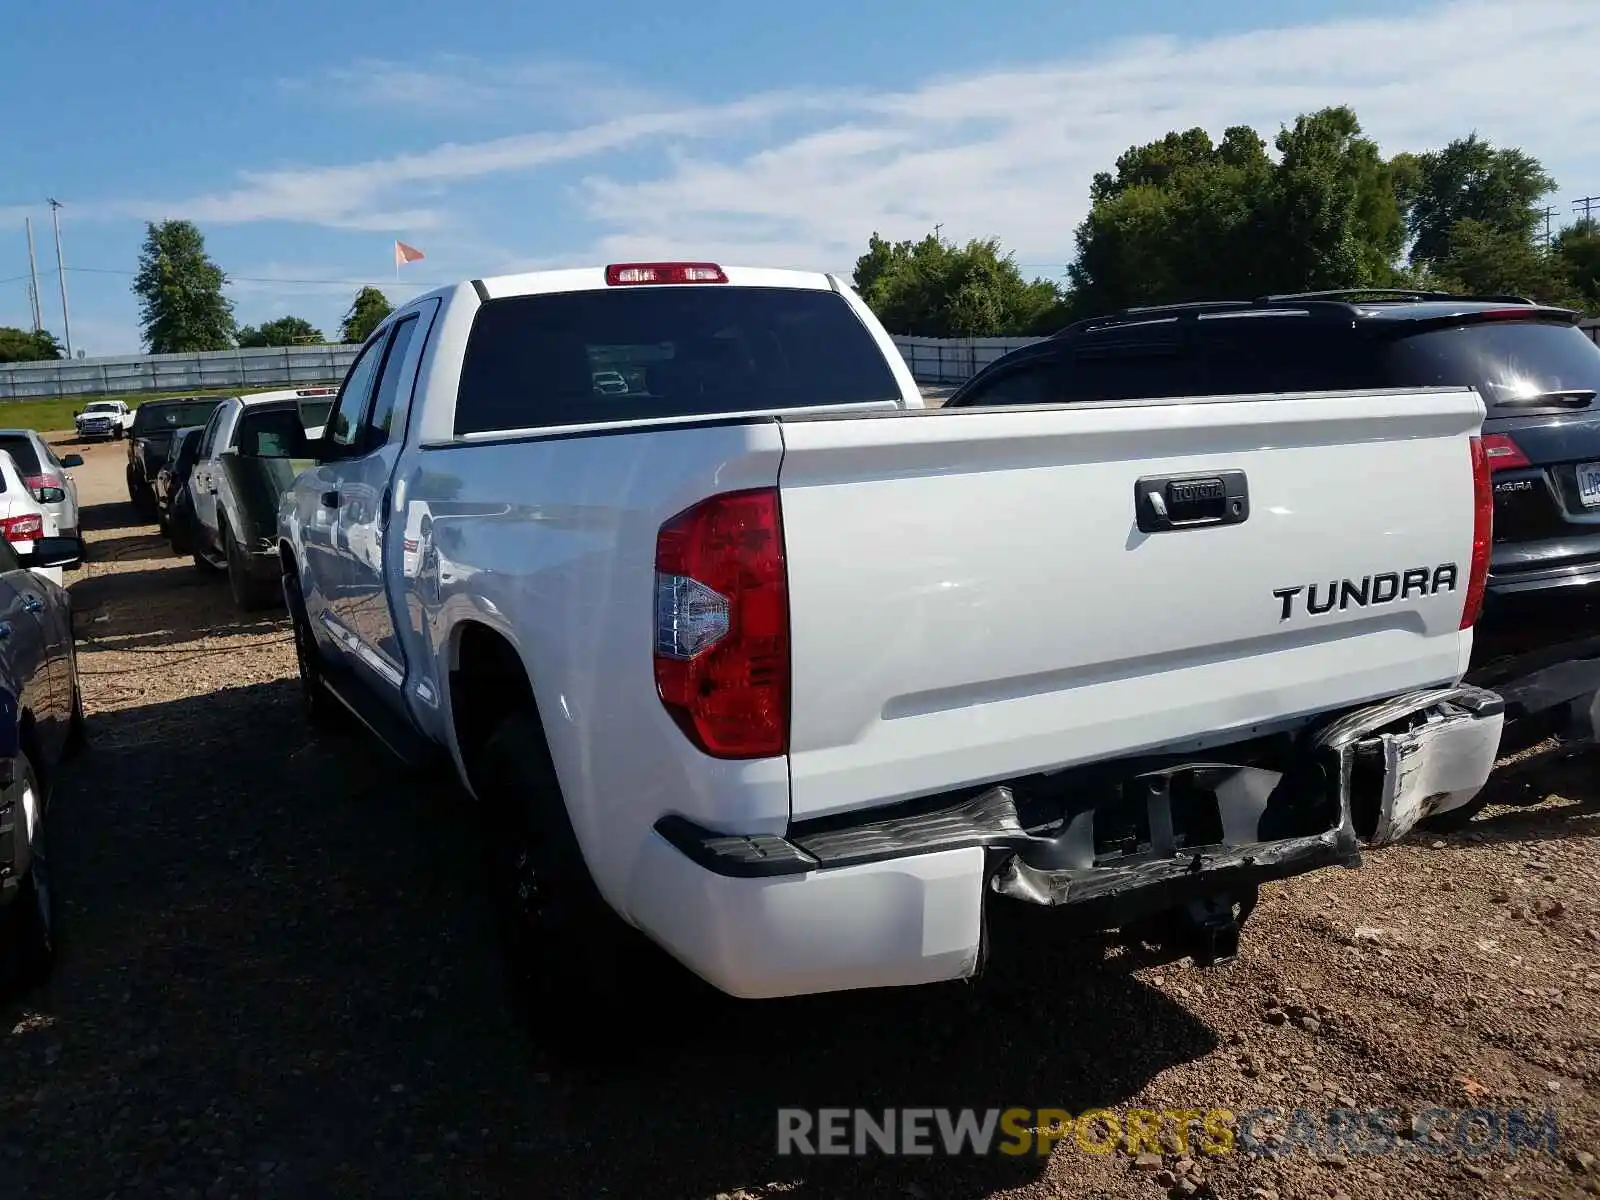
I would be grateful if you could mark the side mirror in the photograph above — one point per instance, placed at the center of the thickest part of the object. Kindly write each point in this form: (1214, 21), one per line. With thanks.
(72, 460)
(53, 552)
(76, 411)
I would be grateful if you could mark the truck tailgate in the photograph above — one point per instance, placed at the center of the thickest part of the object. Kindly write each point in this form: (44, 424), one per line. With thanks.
(971, 597)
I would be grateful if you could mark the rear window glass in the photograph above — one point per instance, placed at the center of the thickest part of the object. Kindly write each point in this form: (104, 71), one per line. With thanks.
(627, 354)
(314, 413)
(1510, 362)
(22, 451)
(151, 417)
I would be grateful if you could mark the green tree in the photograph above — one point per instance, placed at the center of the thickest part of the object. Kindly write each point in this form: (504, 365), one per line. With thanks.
(282, 331)
(1184, 218)
(1577, 250)
(934, 288)
(181, 304)
(1499, 189)
(1488, 261)
(367, 311)
(22, 345)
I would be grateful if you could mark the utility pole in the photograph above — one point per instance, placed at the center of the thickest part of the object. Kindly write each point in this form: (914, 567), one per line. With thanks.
(1587, 204)
(61, 270)
(1549, 213)
(33, 275)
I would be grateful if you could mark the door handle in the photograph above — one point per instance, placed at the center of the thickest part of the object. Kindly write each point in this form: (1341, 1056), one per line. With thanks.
(330, 499)
(31, 603)
(1167, 503)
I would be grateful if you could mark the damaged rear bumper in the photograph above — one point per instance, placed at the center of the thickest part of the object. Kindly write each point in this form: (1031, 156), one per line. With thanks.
(1117, 843)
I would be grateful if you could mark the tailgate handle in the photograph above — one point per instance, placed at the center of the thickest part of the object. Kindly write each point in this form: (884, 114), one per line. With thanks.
(1165, 503)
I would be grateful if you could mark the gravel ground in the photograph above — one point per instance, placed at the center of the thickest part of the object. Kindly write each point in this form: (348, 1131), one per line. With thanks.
(276, 980)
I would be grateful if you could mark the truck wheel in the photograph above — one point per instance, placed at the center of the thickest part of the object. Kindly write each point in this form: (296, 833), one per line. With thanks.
(575, 969)
(249, 593)
(323, 713)
(27, 924)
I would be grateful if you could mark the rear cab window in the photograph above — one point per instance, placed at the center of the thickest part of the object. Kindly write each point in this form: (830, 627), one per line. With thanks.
(149, 418)
(637, 353)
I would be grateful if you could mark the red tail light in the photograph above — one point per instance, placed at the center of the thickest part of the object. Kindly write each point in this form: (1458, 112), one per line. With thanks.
(1482, 534)
(1503, 453)
(40, 484)
(22, 529)
(618, 274)
(722, 625)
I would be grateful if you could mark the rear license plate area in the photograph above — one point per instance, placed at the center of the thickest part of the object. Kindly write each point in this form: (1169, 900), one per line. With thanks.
(1589, 484)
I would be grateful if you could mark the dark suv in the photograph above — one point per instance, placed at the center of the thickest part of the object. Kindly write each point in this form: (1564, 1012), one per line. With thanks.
(150, 441)
(1538, 375)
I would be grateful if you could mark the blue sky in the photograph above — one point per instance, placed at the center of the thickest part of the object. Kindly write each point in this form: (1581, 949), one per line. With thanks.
(304, 138)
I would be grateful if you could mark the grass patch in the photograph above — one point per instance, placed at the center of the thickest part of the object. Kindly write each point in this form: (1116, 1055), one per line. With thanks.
(54, 416)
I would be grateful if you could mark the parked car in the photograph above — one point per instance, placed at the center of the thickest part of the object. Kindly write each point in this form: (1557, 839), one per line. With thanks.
(800, 726)
(103, 419)
(249, 453)
(171, 479)
(41, 726)
(150, 439)
(49, 478)
(25, 519)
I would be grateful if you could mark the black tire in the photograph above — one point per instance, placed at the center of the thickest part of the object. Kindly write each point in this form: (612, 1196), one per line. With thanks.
(133, 488)
(27, 924)
(324, 713)
(575, 970)
(178, 533)
(249, 593)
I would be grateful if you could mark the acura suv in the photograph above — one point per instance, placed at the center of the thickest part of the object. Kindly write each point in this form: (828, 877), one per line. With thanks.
(1536, 371)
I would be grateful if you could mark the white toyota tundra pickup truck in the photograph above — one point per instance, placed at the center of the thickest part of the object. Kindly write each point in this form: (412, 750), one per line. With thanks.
(759, 660)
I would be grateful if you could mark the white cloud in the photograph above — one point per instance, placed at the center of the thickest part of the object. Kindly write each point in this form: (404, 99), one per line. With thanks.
(458, 85)
(1011, 152)
(1004, 152)
(369, 195)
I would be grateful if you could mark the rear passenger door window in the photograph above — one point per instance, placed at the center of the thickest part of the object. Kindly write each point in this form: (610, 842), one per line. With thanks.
(377, 432)
(208, 436)
(1137, 371)
(344, 426)
(1284, 356)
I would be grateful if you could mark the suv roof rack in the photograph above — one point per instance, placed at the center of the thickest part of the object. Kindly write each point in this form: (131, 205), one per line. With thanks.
(1398, 294)
(1341, 299)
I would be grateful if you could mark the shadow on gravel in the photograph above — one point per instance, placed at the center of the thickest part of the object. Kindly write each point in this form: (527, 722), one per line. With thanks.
(134, 547)
(276, 977)
(98, 518)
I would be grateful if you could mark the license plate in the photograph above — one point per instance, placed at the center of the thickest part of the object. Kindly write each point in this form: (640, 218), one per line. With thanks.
(1589, 484)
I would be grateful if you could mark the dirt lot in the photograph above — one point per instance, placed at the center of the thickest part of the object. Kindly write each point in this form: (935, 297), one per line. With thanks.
(276, 979)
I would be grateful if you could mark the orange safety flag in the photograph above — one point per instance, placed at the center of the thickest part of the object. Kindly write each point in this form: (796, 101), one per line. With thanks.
(404, 253)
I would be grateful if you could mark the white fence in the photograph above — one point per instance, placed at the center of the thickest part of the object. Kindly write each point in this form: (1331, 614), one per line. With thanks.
(217, 370)
(932, 360)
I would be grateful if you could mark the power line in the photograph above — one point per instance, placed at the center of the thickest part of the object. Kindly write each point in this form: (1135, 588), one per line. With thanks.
(273, 279)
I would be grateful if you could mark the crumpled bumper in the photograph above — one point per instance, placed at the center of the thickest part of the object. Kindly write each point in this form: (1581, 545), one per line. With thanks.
(894, 896)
